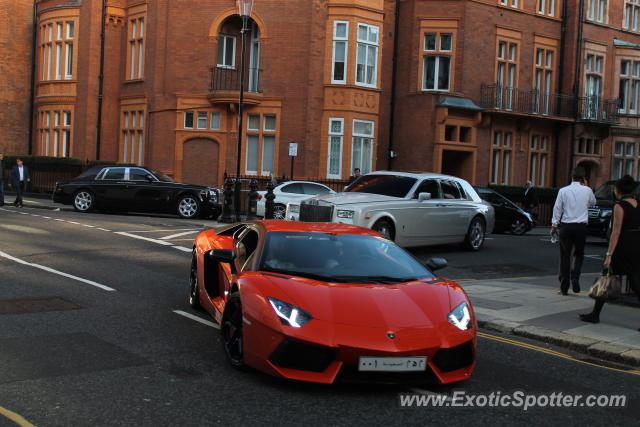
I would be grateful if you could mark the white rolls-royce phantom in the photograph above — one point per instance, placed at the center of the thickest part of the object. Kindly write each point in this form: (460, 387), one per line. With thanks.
(413, 209)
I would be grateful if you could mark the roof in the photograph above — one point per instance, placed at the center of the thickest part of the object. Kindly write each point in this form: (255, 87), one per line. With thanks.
(457, 102)
(272, 225)
(416, 174)
(622, 43)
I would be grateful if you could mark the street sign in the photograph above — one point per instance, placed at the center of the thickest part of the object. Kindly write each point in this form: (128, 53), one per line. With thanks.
(293, 149)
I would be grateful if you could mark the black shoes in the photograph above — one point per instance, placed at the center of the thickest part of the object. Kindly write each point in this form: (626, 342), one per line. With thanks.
(561, 292)
(576, 287)
(591, 318)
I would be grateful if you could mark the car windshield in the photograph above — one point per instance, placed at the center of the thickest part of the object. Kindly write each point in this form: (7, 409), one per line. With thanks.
(343, 258)
(385, 185)
(605, 192)
(162, 177)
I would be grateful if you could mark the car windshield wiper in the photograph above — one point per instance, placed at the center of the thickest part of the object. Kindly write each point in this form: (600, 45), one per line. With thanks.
(384, 280)
(298, 273)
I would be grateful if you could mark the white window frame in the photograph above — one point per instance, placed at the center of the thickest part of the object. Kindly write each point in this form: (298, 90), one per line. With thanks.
(249, 123)
(201, 115)
(354, 135)
(261, 148)
(246, 155)
(367, 43)
(436, 72)
(344, 40)
(68, 67)
(211, 120)
(264, 123)
(225, 37)
(335, 135)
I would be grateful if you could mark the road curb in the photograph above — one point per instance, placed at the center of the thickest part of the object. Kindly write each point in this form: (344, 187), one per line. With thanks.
(602, 349)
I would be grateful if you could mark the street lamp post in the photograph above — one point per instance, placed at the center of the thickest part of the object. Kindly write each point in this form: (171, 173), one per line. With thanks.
(244, 10)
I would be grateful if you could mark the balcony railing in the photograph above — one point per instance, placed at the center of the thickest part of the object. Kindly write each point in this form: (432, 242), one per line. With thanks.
(228, 79)
(535, 102)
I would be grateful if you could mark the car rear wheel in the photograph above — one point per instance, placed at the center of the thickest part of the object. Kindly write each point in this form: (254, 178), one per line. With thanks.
(475, 235)
(518, 227)
(194, 292)
(231, 332)
(384, 227)
(83, 201)
(188, 206)
(279, 211)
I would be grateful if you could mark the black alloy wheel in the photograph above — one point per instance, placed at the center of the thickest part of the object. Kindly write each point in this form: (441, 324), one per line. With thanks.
(518, 227)
(231, 332)
(194, 291)
(384, 227)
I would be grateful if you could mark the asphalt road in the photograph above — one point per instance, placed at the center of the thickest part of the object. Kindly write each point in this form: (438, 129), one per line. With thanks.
(115, 352)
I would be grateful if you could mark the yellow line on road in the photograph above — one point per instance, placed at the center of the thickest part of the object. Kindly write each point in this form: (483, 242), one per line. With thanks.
(552, 353)
(16, 418)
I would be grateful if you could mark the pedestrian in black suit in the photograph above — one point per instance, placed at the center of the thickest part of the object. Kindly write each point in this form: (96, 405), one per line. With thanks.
(1, 180)
(19, 179)
(530, 198)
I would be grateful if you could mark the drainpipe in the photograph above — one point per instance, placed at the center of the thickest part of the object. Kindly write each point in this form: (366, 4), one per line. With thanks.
(32, 90)
(101, 78)
(563, 41)
(394, 73)
(576, 81)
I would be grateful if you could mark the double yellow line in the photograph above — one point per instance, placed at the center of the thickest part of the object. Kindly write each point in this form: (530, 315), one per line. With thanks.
(552, 353)
(16, 418)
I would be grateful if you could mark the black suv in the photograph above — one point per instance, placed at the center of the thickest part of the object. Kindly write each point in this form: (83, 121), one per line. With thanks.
(600, 215)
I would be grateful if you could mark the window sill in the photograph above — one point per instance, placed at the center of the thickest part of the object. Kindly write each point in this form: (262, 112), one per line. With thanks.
(226, 67)
(133, 81)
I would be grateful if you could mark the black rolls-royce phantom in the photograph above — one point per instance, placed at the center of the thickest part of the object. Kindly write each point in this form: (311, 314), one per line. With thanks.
(137, 189)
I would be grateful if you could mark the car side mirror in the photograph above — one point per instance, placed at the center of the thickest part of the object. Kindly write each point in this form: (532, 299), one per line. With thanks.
(436, 263)
(424, 196)
(150, 178)
(224, 256)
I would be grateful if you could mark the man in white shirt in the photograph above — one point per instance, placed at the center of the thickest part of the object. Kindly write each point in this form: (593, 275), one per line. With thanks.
(570, 217)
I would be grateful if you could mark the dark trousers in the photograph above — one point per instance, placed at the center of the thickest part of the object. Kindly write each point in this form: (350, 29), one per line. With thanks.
(634, 284)
(1, 191)
(572, 238)
(19, 190)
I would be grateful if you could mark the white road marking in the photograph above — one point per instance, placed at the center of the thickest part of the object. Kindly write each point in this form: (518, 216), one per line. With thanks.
(158, 231)
(160, 242)
(76, 223)
(418, 390)
(46, 217)
(87, 225)
(182, 248)
(182, 240)
(196, 318)
(594, 257)
(102, 229)
(60, 273)
(184, 233)
(58, 219)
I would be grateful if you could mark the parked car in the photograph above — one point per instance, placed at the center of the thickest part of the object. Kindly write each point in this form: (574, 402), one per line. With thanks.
(136, 189)
(319, 302)
(509, 216)
(413, 209)
(290, 191)
(601, 214)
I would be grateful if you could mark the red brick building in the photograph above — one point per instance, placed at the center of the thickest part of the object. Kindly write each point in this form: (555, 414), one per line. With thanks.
(494, 91)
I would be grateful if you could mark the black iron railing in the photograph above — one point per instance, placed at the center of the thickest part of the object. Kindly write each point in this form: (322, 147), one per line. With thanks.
(535, 102)
(228, 79)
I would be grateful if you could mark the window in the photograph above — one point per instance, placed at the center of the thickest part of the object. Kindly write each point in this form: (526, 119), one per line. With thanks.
(588, 146)
(336, 139)
(507, 72)
(215, 121)
(54, 130)
(539, 159)
(594, 66)
(340, 51)
(629, 90)
(57, 50)
(547, 7)
(631, 11)
(226, 51)
(133, 136)
(597, 11)
(367, 55)
(458, 133)
(202, 120)
(436, 67)
(114, 173)
(136, 48)
(261, 145)
(188, 119)
(626, 160)
(501, 149)
(543, 79)
(362, 146)
(430, 186)
(136, 174)
(510, 3)
(450, 190)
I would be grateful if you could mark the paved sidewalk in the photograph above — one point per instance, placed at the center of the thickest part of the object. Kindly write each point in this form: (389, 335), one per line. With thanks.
(521, 306)
(35, 200)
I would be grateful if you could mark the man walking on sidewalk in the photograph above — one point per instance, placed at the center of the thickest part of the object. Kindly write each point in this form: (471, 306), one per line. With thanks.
(19, 179)
(570, 217)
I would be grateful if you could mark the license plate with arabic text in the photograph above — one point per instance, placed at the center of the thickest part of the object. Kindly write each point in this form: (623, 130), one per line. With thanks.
(392, 364)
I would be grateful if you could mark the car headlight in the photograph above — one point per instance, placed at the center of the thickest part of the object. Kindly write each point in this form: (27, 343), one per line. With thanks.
(460, 317)
(294, 208)
(345, 214)
(290, 314)
(606, 213)
(529, 217)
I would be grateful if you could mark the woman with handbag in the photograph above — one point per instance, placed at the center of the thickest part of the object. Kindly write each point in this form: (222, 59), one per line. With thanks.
(622, 255)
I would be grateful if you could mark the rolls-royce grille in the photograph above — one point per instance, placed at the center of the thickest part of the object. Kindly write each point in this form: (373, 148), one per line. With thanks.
(315, 213)
(594, 212)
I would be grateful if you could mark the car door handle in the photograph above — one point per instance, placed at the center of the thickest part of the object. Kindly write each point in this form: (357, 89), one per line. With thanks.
(443, 205)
